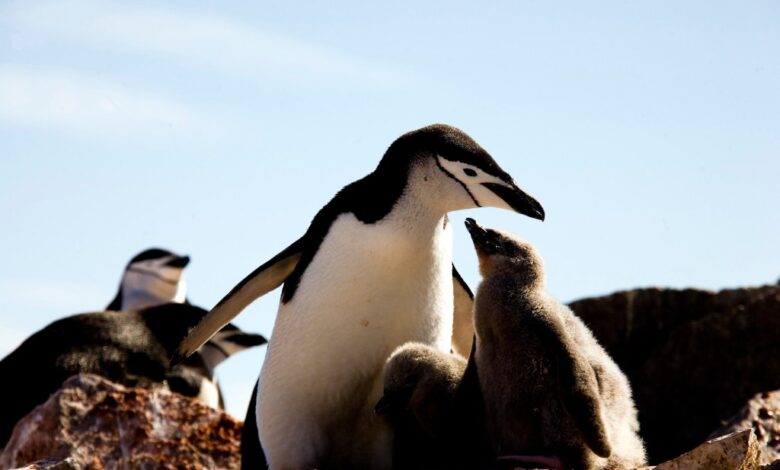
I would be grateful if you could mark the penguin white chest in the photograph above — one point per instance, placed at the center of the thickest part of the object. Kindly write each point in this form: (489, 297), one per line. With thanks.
(368, 289)
(373, 286)
(209, 393)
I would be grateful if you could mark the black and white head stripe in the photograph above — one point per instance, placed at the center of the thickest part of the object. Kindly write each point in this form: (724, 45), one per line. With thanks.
(152, 277)
(227, 342)
(151, 253)
(448, 142)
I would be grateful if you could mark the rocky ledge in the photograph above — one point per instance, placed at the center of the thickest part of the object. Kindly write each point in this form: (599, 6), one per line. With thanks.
(703, 365)
(694, 357)
(96, 424)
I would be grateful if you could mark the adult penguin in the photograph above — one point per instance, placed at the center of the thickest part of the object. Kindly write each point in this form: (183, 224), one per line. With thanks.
(372, 272)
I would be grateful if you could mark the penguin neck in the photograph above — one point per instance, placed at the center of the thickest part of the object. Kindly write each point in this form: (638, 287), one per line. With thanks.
(150, 296)
(418, 221)
(419, 213)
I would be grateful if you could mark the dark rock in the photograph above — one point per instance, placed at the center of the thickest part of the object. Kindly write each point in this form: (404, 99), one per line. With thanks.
(693, 357)
(762, 414)
(98, 424)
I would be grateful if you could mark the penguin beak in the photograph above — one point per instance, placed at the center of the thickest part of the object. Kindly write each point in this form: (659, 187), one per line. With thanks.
(484, 242)
(178, 262)
(517, 199)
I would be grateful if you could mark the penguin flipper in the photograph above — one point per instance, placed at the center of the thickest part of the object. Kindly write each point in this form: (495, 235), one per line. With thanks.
(262, 280)
(579, 391)
(463, 324)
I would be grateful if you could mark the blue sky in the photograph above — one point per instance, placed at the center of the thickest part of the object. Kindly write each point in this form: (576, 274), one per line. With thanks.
(650, 132)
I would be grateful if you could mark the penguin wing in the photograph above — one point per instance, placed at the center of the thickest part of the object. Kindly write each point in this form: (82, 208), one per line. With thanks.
(262, 280)
(463, 324)
(579, 388)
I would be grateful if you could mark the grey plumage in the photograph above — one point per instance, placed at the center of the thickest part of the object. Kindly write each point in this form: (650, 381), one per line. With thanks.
(419, 399)
(549, 388)
(422, 380)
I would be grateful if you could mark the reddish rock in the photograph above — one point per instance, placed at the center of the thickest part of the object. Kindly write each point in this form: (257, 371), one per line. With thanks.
(99, 424)
(67, 464)
(693, 357)
(762, 415)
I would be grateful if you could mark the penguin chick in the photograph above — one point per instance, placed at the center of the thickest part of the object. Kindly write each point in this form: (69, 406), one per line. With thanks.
(422, 380)
(551, 393)
(420, 383)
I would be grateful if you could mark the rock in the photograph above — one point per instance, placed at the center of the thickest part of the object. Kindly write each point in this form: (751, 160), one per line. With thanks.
(631, 324)
(693, 357)
(67, 464)
(99, 424)
(762, 414)
(737, 451)
(131, 348)
(772, 466)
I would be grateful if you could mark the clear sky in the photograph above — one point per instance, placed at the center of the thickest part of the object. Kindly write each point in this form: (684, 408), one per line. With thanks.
(650, 132)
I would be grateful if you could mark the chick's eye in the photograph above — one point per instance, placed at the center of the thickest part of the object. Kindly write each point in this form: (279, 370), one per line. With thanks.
(469, 172)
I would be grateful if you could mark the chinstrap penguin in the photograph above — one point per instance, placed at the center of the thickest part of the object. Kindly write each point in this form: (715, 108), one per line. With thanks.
(372, 272)
(552, 395)
(156, 277)
(132, 348)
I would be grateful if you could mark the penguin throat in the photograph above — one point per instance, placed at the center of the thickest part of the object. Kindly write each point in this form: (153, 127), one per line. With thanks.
(158, 293)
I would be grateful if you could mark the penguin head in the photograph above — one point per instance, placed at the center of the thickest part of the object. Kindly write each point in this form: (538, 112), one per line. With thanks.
(228, 341)
(152, 277)
(457, 172)
(501, 252)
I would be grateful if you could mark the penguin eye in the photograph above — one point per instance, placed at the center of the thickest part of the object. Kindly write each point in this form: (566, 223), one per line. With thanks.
(469, 172)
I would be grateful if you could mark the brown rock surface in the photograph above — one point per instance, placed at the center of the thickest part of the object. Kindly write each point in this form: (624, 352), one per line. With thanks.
(737, 451)
(99, 424)
(762, 414)
(67, 464)
(693, 357)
